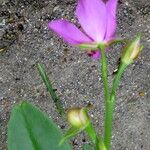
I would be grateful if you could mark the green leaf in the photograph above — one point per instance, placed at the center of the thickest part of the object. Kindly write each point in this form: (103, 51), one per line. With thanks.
(87, 147)
(30, 129)
(50, 89)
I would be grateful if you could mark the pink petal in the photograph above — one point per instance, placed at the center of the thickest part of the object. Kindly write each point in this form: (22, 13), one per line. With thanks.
(112, 6)
(92, 17)
(69, 32)
(111, 27)
(94, 54)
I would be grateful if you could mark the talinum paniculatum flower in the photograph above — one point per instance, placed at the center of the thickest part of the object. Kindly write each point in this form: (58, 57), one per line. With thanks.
(97, 19)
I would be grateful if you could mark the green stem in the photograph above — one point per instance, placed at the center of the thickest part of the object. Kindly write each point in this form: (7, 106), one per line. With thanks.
(91, 132)
(110, 107)
(116, 81)
(109, 99)
(108, 124)
(104, 70)
(97, 140)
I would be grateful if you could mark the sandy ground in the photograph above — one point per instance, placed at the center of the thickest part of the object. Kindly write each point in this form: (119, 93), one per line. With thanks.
(25, 40)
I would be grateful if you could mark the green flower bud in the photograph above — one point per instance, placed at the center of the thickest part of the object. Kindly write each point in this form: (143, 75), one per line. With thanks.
(131, 51)
(78, 117)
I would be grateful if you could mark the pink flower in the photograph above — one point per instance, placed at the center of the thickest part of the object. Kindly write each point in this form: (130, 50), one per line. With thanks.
(97, 19)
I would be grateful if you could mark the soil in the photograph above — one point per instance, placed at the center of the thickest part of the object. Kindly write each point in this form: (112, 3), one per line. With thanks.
(25, 40)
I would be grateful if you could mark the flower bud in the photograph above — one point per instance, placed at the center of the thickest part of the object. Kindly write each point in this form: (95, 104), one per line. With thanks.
(78, 117)
(131, 51)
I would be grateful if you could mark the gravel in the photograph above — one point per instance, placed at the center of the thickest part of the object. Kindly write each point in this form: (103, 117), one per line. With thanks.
(25, 40)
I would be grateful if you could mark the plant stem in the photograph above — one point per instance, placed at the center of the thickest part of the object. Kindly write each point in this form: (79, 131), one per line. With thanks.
(108, 123)
(97, 140)
(104, 70)
(118, 76)
(91, 132)
(110, 107)
(109, 98)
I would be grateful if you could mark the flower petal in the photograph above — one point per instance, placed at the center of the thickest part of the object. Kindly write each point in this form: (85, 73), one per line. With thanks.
(69, 32)
(92, 17)
(94, 54)
(111, 27)
(112, 6)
